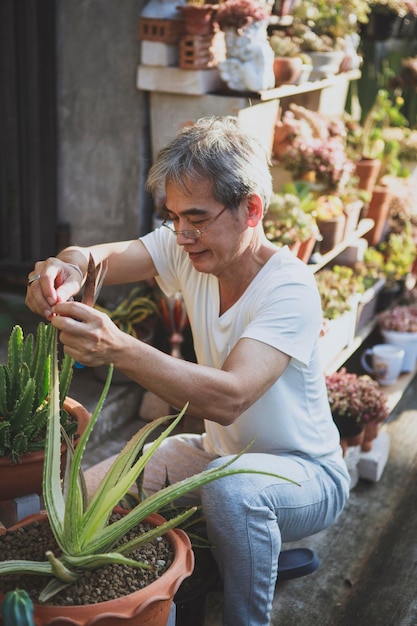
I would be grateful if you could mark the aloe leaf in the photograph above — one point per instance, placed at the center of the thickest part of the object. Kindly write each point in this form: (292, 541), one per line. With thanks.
(74, 500)
(60, 571)
(156, 501)
(52, 492)
(22, 566)
(52, 588)
(149, 535)
(98, 560)
(121, 476)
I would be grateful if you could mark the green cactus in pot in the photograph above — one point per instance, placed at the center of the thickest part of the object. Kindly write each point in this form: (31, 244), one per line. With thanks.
(24, 388)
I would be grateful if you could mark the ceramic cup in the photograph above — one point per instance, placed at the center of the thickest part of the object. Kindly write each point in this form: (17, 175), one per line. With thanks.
(386, 362)
(406, 341)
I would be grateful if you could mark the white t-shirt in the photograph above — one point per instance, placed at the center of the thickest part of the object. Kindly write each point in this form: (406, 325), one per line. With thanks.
(281, 307)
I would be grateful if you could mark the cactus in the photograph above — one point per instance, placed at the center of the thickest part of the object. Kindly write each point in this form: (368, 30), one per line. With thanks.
(17, 609)
(24, 385)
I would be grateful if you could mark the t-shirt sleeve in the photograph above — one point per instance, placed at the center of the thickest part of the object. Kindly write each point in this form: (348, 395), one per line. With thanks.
(167, 257)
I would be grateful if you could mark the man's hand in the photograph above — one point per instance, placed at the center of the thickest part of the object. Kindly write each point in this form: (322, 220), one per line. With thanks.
(50, 282)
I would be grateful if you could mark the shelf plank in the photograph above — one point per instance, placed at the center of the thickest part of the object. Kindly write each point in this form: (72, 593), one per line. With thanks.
(286, 91)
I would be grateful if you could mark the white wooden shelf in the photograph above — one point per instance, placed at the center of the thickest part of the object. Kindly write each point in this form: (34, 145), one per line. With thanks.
(287, 91)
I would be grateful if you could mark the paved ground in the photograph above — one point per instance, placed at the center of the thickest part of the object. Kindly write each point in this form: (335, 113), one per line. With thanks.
(368, 558)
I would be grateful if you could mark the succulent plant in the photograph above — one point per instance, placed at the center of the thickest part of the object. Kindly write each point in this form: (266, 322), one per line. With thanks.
(358, 398)
(24, 386)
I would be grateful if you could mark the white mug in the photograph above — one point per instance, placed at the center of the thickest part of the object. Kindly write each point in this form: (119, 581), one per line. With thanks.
(386, 360)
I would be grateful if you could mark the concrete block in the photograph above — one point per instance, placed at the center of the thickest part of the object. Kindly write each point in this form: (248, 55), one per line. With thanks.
(175, 80)
(159, 54)
(371, 464)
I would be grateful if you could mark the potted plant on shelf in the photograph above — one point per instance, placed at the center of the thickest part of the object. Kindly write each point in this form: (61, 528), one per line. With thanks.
(393, 259)
(358, 404)
(365, 141)
(338, 288)
(329, 31)
(286, 223)
(24, 405)
(331, 221)
(85, 537)
(291, 65)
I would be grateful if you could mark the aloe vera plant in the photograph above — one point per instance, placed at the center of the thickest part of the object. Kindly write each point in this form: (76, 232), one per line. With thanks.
(81, 528)
(24, 387)
(133, 310)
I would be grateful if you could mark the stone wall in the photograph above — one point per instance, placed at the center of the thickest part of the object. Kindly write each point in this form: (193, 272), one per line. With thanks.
(103, 152)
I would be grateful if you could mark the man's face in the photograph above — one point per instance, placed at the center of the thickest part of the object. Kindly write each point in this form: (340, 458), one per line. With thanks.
(223, 241)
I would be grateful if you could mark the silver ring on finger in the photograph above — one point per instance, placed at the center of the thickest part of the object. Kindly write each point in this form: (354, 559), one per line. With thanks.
(31, 279)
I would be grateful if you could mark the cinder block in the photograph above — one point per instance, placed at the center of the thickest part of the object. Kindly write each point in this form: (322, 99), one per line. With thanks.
(371, 464)
(159, 54)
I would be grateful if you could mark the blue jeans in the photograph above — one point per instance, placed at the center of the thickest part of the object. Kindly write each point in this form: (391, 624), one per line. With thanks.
(249, 516)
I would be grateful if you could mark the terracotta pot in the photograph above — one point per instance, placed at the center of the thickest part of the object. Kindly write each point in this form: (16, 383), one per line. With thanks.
(306, 249)
(369, 434)
(198, 19)
(367, 170)
(149, 606)
(20, 479)
(378, 210)
(332, 231)
(287, 70)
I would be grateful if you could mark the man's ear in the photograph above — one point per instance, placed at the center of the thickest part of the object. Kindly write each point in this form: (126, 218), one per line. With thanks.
(255, 210)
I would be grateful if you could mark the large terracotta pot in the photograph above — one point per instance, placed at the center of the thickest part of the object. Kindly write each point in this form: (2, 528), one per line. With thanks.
(20, 479)
(149, 606)
(378, 211)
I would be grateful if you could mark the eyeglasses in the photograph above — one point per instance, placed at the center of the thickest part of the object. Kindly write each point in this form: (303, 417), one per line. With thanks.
(193, 233)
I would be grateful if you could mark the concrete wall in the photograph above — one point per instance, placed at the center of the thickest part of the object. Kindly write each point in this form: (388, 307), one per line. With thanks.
(103, 152)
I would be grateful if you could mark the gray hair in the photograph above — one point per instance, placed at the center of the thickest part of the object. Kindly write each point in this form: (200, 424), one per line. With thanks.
(217, 150)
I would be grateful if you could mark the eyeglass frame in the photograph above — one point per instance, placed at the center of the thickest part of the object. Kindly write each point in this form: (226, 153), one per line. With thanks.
(198, 232)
